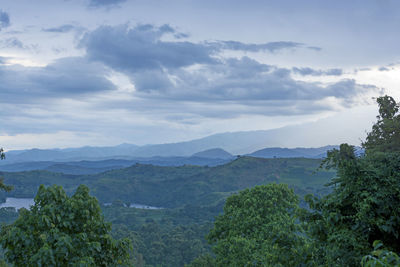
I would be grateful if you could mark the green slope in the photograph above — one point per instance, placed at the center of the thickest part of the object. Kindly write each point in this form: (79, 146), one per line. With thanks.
(178, 186)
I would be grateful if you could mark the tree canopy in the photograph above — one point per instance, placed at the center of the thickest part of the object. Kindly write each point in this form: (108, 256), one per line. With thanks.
(62, 231)
(365, 203)
(258, 228)
(385, 134)
(4, 187)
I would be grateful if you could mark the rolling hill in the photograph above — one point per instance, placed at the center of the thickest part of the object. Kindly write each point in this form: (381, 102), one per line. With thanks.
(215, 153)
(178, 186)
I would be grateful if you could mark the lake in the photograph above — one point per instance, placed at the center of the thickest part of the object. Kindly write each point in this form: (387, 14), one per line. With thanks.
(138, 206)
(18, 203)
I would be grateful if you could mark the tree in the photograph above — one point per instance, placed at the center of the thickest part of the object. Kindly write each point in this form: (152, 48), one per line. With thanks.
(62, 231)
(4, 187)
(380, 257)
(364, 205)
(258, 228)
(385, 134)
(205, 260)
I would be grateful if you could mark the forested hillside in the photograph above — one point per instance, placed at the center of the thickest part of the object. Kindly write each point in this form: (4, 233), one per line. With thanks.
(190, 195)
(358, 223)
(339, 211)
(177, 186)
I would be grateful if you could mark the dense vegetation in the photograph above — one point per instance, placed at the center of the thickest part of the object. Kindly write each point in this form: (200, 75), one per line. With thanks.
(62, 231)
(260, 227)
(173, 236)
(173, 187)
(260, 221)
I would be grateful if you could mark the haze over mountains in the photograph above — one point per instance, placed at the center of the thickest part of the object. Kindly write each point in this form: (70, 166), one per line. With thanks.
(299, 152)
(212, 150)
(234, 143)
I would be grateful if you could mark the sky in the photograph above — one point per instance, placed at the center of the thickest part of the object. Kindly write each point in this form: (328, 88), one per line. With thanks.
(105, 72)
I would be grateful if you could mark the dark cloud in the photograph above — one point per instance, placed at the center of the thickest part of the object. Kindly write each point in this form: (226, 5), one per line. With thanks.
(248, 83)
(61, 29)
(4, 19)
(66, 77)
(155, 81)
(141, 48)
(105, 3)
(313, 72)
(271, 46)
(159, 71)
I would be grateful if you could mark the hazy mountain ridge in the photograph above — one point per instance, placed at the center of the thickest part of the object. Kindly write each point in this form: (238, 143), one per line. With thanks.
(234, 143)
(299, 152)
(215, 153)
(69, 154)
(211, 157)
(93, 167)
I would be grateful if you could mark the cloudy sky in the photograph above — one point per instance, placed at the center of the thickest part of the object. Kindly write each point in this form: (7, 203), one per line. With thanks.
(104, 72)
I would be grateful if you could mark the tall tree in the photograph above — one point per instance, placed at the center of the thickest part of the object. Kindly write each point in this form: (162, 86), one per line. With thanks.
(258, 228)
(385, 134)
(62, 231)
(4, 187)
(365, 203)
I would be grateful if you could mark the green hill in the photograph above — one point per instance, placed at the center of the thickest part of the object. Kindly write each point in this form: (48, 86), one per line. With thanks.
(177, 186)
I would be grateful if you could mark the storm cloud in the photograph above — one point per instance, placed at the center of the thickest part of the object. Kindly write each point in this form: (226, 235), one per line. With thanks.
(169, 73)
(141, 48)
(246, 80)
(186, 71)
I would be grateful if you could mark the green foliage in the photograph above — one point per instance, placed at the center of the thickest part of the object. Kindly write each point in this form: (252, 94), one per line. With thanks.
(3, 187)
(385, 134)
(62, 231)
(258, 228)
(380, 257)
(365, 203)
(167, 237)
(172, 187)
(8, 215)
(205, 260)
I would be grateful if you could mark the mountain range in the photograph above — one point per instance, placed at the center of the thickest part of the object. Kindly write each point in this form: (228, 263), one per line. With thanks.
(221, 145)
(210, 157)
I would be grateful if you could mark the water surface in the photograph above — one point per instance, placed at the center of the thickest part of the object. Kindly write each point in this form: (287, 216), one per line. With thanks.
(18, 203)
